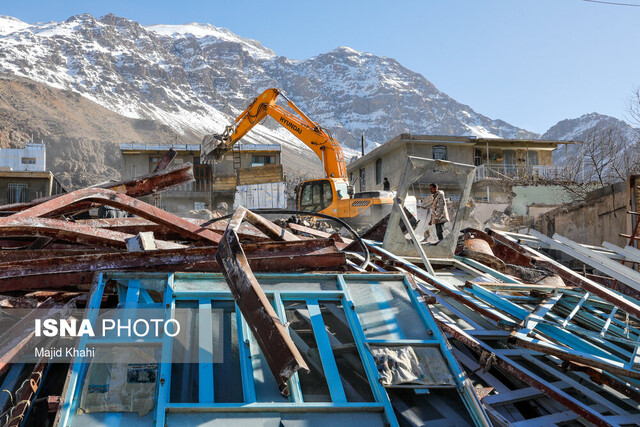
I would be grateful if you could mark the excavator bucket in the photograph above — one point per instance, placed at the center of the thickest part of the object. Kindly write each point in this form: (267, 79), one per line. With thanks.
(213, 148)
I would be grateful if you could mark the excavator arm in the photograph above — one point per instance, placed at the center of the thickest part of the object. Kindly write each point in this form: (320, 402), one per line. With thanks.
(301, 126)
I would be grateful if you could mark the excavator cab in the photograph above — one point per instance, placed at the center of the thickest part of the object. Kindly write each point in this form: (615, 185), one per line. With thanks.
(316, 195)
(319, 194)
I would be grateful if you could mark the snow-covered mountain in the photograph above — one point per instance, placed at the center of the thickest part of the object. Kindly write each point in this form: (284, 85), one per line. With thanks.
(604, 143)
(578, 129)
(196, 77)
(588, 128)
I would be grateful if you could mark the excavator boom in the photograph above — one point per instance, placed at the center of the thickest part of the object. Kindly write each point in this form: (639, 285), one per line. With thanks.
(331, 195)
(301, 126)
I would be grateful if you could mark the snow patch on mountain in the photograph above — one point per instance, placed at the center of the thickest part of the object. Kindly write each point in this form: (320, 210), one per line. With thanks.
(9, 25)
(212, 34)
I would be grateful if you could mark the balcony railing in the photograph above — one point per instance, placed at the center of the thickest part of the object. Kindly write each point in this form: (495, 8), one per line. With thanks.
(192, 187)
(500, 171)
(159, 147)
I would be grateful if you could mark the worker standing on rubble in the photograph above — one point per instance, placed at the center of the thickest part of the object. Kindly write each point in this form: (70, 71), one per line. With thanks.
(386, 185)
(439, 211)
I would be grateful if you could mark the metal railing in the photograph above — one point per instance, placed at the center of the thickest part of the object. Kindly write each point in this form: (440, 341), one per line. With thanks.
(192, 187)
(500, 171)
(159, 147)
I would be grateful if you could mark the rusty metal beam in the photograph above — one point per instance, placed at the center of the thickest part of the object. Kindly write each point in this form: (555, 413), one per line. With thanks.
(166, 160)
(24, 255)
(66, 202)
(46, 281)
(570, 357)
(572, 277)
(136, 187)
(281, 354)
(57, 272)
(182, 256)
(68, 231)
(63, 230)
(308, 230)
(598, 376)
(267, 227)
(24, 243)
(529, 378)
(134, 225)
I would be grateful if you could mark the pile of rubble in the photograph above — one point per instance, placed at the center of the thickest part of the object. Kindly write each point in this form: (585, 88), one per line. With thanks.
(50, 253)
(508, 332)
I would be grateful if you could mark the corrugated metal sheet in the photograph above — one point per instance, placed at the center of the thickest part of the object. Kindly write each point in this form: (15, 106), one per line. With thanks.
(260, 196)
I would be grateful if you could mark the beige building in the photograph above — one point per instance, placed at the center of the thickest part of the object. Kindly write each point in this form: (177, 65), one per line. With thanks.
(24, 186)
(214, 184)
(494, 158)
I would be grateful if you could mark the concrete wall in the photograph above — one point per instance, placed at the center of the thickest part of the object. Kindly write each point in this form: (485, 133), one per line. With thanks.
(36, 187)
(455, 152)
(392, 166)
(393, 163)
(179, 200)
(225, 166)
(540, 195)
(601, 217)
(140, 164)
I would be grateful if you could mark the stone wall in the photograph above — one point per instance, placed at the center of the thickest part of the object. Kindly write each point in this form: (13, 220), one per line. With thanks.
(601, 217)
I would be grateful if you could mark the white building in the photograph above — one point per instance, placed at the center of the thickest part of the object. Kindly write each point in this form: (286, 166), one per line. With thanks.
(31, 158)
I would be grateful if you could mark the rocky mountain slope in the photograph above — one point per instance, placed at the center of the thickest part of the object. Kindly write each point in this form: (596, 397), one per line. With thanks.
(606, 149)
(194, 77)
(578, 129)
(587, 127)
(82, 137)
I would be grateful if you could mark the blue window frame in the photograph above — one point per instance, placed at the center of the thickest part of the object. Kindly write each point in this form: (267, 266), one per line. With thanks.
(330, 318)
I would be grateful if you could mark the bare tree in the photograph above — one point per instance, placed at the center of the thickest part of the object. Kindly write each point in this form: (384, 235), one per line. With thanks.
(293, 182)
(608, 155)
(633, 108)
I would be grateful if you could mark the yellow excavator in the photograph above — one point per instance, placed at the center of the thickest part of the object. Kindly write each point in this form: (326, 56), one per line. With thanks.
(331, 195)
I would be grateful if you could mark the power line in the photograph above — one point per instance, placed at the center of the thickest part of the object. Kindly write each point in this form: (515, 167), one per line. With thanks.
(613, 3)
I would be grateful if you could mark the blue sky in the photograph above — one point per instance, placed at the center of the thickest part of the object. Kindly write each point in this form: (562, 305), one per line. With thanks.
(528, 62)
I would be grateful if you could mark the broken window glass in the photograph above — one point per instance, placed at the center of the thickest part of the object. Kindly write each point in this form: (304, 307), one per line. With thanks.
(354, 378)
(113, 384)
(225, 359)
(314, 385)
(184, 368)
(385, 311)
(409, 365)
(226, 367)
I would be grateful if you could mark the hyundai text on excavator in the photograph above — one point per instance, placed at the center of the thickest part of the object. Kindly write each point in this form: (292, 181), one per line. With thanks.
(331, 195)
